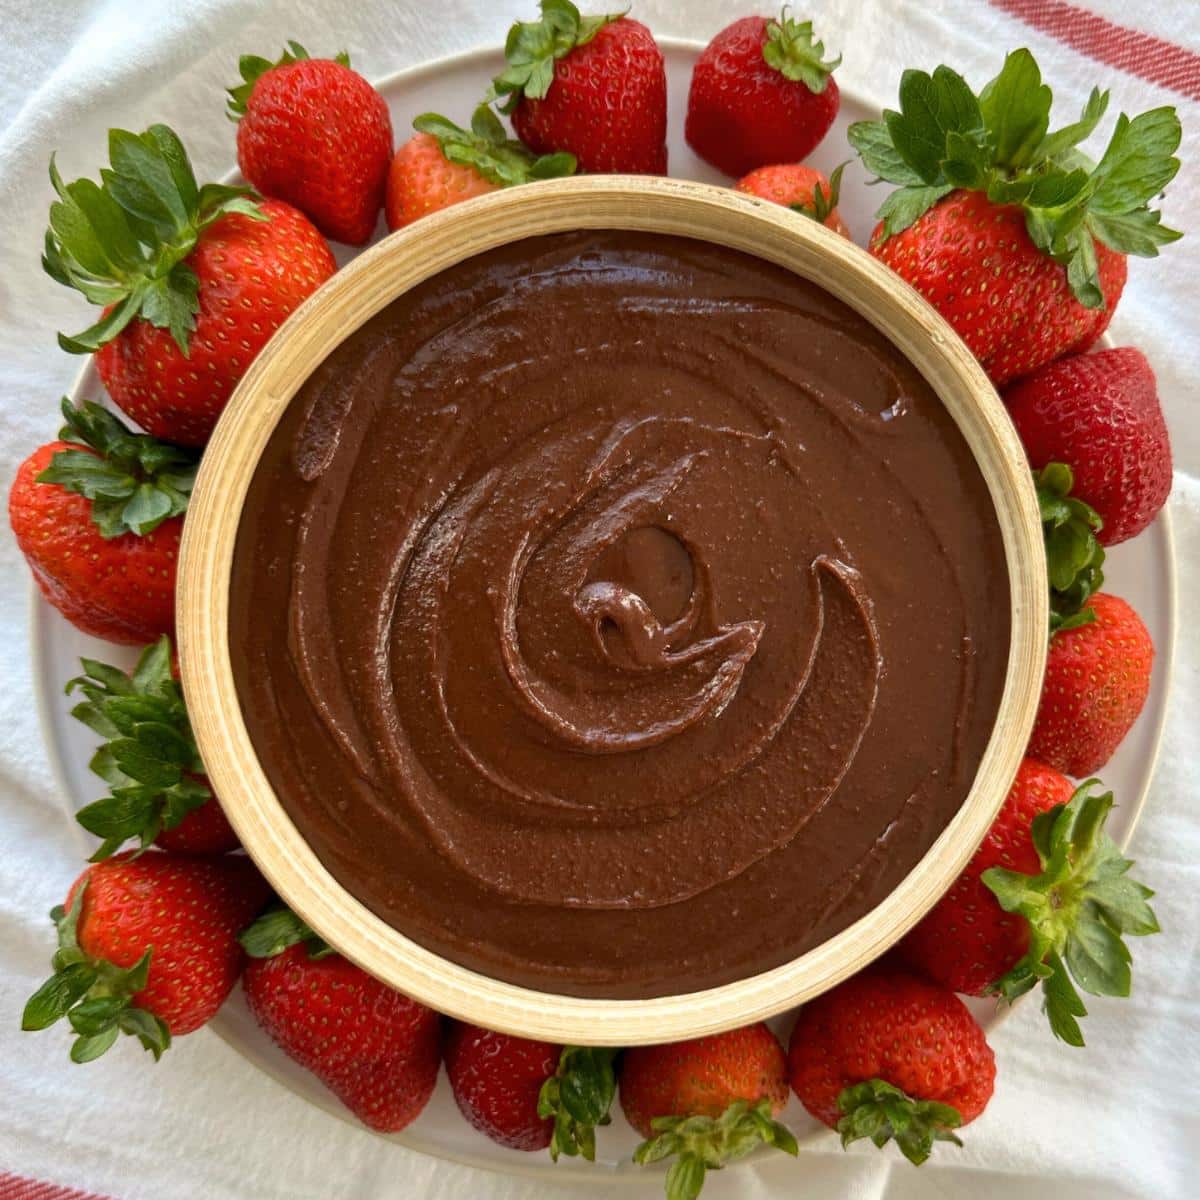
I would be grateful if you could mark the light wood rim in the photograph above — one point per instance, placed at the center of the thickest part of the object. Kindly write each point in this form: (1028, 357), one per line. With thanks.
(363, 288)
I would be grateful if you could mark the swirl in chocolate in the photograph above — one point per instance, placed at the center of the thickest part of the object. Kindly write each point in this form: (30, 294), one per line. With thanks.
(618, 615)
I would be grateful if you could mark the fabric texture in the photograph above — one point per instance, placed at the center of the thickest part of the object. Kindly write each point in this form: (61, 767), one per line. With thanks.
(1116, 1121)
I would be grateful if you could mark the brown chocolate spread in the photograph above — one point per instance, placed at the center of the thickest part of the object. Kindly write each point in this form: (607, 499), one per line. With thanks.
(618, 615)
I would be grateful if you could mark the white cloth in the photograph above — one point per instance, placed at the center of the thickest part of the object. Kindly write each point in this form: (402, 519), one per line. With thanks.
(1116, 1120)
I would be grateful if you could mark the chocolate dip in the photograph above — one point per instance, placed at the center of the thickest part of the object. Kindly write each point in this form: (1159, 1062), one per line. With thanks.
(618, 615)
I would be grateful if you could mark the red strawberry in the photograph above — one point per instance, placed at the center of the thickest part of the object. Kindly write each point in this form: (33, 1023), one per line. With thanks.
(1099, 413)
(1096, 683)
(706, 1102)
(149, 760)
(192, 291)
(444, 164)
(595, 87)
(886, 1055)
(316, 134)
(761, 93)
(375, 1049)
(803, 189)
(997, 222)
(147, 945)
(97, 516)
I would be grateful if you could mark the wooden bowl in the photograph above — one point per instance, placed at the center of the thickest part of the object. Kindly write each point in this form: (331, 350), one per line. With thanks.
(362, 289)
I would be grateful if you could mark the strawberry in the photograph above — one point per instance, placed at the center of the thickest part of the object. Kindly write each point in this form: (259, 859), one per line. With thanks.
(444, 164)
(1015, 237)
(376, 1050)
(595, 87)
(887, 1055)
(97, 515)
(1096, 683)
(149, 760)
(194, 280)
(803, 189)
(147, 945)
(706, 1102)
(1100, 414)
(314, 133)
(761, 93)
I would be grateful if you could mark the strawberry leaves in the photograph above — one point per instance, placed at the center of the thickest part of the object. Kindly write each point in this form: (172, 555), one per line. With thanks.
(251, 67)
(1074, 556)
(793, 50)
(877, 1110)
(277, 929)
(1078, 908)
(944, 137)
(579, 1096)
(533, 47)
(93, 994)
(699, 1144)
(823, 202)
(489, 150)
(149, 758)
(122, 243)
(134, 481)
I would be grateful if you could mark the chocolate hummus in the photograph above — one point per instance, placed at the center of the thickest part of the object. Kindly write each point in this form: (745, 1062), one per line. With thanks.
(619, 615)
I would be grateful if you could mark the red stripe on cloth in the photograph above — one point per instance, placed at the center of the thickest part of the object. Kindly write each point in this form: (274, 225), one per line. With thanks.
(13, 1187)
(1140, 54)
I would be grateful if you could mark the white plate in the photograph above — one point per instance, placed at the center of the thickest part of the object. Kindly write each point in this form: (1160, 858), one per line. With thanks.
(1143, 571)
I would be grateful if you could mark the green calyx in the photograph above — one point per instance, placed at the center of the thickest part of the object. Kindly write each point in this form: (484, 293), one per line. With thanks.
(946, 138)
(579, 1096)
(149, 758)
(489, 150)
(533, 47)
(134, 481)
(875, 1109)
(276, 930)
(700, 1144)
(1074, 557)
(793, 50)
(123, 242)
(95, 996)
(1078, 908)
(252, 67)
(822, 203)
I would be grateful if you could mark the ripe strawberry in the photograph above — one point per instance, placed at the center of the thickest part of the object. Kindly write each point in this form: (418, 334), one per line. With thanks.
(149, 760)
(376, 1050)
(886, 1055)
(444, 164)
(1096, 683)
(1006, 229)
(314, 133)
(97, 516)
(803, 189)
(1100, 414)
(595, 87)
(194, 280)
(761, 93)
(706, 1102)
(147, 945)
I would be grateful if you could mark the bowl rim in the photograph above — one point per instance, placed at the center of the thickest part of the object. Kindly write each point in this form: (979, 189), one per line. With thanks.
(364, 287)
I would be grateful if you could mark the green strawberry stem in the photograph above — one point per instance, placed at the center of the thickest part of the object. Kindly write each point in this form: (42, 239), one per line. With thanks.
(822, 203)
(95, 996)
(945, 137)
(1078, 907)
(490, 151)
(533, 47)
(123, 242)
(579, 1096)
(792, 49)
(1074, 557)
(877, 1110)
(149, 757)
(700, 1144)
(251, 67)
(276, 930)
(135, 484)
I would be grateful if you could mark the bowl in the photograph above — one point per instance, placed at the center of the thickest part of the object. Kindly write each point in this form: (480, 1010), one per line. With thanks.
(362, 289)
